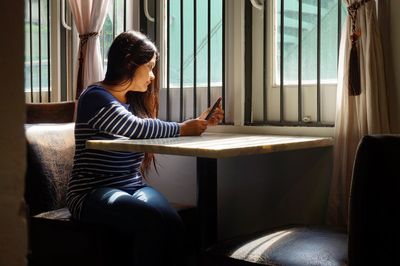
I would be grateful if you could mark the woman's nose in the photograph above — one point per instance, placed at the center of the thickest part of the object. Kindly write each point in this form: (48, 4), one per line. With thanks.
(152, 75)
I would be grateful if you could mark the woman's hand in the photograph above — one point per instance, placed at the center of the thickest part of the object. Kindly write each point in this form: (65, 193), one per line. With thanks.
(215, 118)
(193, 127)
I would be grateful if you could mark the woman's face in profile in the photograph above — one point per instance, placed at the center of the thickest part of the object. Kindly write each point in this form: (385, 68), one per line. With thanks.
(143, 76)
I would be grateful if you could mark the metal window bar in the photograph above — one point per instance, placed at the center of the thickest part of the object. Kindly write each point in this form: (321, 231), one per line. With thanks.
(282, 32)
(265, 60)
(299, 68)
(223, 57)
(168, 58)
(248, 62)
(181, 64)
(319, 62)
(300, 121)
(40, 52)
(31, 48)
(71, 56)
(124, 15)
(194, 58)
(48, 52)
(339, 26)
(208, 52)
(113, 18)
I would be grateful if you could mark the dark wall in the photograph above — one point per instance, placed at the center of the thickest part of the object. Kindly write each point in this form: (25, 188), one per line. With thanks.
(12, 143)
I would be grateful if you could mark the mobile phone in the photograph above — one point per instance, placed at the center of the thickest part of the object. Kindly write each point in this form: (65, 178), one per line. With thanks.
(212, 110)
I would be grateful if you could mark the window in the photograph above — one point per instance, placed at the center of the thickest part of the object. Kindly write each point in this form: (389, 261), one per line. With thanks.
(304, 14)
(37, 51)
(290, 49)
(294, 82)
(50, 49)
(201, 47)
(192, 56)
(302, 44)
(114, 24)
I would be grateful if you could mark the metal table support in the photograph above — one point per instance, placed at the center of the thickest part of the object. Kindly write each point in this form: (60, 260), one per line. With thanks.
(207, 201)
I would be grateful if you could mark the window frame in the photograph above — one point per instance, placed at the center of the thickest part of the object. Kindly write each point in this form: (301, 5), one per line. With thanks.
(162, 45)
(64, 49)
(328, 93)
(234, 65)
(235, 76)
(53, 57)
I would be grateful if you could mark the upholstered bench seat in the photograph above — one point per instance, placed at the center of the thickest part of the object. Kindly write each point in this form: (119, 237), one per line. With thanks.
(55, 238)
(294, 245)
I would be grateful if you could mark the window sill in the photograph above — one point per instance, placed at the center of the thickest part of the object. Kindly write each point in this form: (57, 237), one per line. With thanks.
(274, 130)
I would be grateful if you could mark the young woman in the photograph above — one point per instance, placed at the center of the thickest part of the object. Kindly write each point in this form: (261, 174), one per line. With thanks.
(107, 187)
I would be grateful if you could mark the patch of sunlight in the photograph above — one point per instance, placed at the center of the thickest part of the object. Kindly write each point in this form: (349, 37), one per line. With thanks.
(252, 251)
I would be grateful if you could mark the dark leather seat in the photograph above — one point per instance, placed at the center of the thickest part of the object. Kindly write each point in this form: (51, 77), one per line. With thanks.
(373, 233)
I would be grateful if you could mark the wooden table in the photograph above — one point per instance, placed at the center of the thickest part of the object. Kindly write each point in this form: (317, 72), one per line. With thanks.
(207, 149)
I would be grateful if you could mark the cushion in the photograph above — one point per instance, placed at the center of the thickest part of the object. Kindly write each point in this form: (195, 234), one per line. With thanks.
(50, 150)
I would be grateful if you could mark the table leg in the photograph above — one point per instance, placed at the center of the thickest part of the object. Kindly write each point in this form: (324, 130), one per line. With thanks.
(207, 201)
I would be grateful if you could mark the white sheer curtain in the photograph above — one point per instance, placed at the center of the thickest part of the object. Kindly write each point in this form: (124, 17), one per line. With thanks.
(89, 17)
(357, 115)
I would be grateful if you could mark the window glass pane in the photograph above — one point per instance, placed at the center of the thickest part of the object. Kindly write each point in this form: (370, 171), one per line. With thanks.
(119, 16)
(277, 42)
(202, 45)
(112, 27)
(202, 42)
(329, 41)
(188, 43)
(309, 41)
(291, 41)
(27, 68)
(216, 42)
(107, 37)
(44, 35)
(37, 52)
(175, 40)
(36, 48)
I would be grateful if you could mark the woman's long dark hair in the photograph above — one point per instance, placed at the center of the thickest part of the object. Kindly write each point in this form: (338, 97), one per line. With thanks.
(128, 51)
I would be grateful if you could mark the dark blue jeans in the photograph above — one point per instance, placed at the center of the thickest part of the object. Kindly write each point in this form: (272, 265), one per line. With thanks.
(144, 219)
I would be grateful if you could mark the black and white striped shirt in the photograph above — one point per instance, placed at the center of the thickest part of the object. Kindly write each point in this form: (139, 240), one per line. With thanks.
(101, 116)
